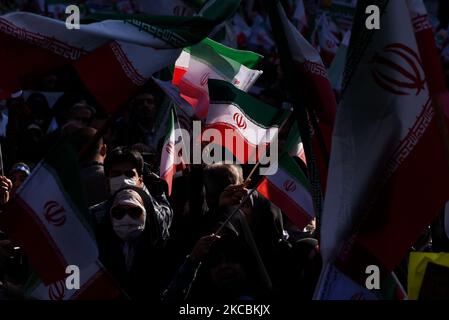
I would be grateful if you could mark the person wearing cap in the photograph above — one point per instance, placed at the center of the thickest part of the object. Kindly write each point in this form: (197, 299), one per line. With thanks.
(131, 244)
(18, 174)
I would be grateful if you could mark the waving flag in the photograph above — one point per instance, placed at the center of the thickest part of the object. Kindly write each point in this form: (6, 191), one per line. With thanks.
(289, 189)
(337, 67)
(300, 16)
(212, 60)
(429, 53)
(335, 285)
(47, 218)
(110, 57)
(327, 41)
(168, 158)
(294, 145)
(234, 112)
(309, 81)
(388, 171)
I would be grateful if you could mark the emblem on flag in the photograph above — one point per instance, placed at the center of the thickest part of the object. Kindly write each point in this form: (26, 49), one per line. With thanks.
(54, 213)
(169, 148)
(404, 63)
(204, 79)
(57, 291)
(240, 120)
(289, 186)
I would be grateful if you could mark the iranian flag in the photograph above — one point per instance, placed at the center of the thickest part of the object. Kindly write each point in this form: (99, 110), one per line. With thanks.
(212, 60)
(431, 60)
(47, 217)
(300, 17)
(243, 125)
(311, 83)
(335, 285)
(294, 145)
(327, 40)
(178, 131)
(110, 56)
(388, 171)
(95, 284)
(289, 189)
(168, 167)
(337, 67)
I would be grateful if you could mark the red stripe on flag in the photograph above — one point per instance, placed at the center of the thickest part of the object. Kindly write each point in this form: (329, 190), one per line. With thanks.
(23, 226)
(196, 96)
(413, 197)
(250, 151)
(294, 212)
(17, 69)
(104, 76)
(168, 177)
(178, 74)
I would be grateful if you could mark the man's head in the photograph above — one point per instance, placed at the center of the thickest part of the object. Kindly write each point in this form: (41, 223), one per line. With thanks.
(82, 113)
(80, 139)
(143, 110)
(40, 111)
(143, 107)
(217, 177)
(123, 166)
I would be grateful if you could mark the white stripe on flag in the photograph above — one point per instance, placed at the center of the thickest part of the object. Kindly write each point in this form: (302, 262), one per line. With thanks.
(300, 195)
(231, 115)
(44, 195)
(334, 285)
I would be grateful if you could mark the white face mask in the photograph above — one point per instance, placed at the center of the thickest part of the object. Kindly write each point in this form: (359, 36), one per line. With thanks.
(119, 182)
(128, 228)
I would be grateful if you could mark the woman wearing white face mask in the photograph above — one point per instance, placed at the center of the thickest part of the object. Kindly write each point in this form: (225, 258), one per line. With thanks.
(128, 215)
(131, 245)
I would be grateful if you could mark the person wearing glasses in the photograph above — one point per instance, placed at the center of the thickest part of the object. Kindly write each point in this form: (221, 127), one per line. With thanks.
(124, 167)
(131, 243)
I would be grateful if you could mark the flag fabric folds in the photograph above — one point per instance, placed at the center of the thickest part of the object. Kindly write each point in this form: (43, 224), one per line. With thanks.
(289, 189)
(388, 170)
(47, 217)
(95, 284)
(246, 125)
(212, 60)
(110, 56)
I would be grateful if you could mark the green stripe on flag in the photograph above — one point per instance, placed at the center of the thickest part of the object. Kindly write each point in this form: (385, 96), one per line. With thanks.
(293, 138)
(223, 92)
(177, 31)
(294, 170)
(196, 4)
(31, 284)
(170, 125)
(206, 49)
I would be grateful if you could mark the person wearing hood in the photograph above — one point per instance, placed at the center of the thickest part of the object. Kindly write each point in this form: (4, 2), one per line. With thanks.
(131, 244)
(125, 167)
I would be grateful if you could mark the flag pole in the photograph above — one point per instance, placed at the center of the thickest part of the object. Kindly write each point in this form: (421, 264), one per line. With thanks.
(247, 181)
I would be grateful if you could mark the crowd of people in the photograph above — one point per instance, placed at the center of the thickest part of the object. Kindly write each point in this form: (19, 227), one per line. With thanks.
(159, 247)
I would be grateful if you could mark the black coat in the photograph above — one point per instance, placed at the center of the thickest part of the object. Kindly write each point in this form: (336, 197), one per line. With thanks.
(148, 274)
